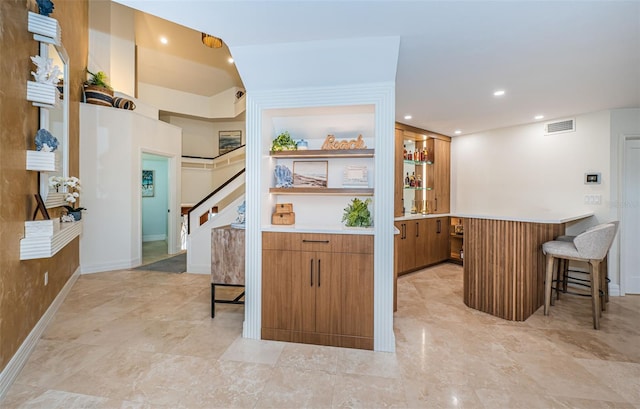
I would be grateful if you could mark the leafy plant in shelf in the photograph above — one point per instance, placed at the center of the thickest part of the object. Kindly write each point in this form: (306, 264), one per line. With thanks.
(357, 214)
(283, 142)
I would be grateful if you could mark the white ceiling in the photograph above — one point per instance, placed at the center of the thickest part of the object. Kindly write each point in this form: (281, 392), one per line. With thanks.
(552, 58)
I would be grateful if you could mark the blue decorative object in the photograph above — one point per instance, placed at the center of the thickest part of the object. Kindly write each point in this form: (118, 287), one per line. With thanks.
(302, 145)
(284, 177)
(239, 223)
(45, 141)
(45, 7)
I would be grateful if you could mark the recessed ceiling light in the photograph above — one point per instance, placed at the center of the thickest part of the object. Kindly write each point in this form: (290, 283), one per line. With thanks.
(457, 132)
(164, 40)
(498, 93)
(230, 60)
(408, 117)
(538, 117)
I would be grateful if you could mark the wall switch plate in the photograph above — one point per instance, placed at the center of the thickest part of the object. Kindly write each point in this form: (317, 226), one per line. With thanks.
(593, 199)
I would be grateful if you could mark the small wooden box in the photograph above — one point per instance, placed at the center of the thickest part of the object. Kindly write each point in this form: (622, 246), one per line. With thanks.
(284, 208)
(283, 218)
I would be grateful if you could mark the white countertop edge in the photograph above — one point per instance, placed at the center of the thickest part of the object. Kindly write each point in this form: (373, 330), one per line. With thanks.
(551, 218)
(420, 216)
(339, 229)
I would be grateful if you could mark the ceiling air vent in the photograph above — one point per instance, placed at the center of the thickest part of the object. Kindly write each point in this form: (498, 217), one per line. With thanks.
(566, 125)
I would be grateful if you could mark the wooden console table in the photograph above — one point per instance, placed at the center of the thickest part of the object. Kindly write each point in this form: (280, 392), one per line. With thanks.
(504, 267)
(227, 263)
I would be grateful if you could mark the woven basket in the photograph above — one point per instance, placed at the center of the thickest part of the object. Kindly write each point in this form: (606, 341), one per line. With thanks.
(98, 95)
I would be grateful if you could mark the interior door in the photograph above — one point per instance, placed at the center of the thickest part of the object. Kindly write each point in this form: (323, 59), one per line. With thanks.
(630, 227)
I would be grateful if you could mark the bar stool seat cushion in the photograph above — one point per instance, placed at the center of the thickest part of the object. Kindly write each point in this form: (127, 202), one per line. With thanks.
(561, 249)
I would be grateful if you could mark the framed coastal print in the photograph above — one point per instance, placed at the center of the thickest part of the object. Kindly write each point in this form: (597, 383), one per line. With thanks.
(228, 141)
(148, 183)
(310, 173)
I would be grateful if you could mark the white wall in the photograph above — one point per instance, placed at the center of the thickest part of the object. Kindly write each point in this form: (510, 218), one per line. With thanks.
(200, 137)
(222, 105)
(624, 123)
(154, 209)
(522, 170)
(111, 146)
(112, 43)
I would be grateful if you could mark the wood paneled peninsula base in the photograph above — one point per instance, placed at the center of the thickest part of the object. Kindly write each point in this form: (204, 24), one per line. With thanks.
(504, 266)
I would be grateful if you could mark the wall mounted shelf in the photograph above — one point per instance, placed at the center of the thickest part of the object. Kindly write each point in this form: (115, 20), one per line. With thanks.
(42, 161)
(43, 95)
(45, 29)
(47, 246)
(317, 153)
(322, 191)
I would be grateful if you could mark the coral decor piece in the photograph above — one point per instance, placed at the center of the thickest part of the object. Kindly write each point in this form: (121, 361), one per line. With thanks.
(45, 7)
(284, 177)
(46, 142)
(46, 72)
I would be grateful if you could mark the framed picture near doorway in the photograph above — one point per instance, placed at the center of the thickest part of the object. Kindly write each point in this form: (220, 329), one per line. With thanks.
(148, 183)
(228, 141)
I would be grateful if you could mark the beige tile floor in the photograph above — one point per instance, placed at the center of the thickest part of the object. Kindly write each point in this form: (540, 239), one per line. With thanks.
(153, 251)
(136, 339)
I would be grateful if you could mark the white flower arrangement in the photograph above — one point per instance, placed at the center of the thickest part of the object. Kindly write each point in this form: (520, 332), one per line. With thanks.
(46, 73)
(72, 194)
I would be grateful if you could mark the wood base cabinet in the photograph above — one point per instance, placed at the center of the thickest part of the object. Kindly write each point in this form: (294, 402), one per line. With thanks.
(318, 289)
(422, 242)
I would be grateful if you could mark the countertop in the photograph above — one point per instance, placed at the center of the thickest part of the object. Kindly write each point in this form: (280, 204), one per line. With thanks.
(542, 217)
(419, 216)
(337, 229)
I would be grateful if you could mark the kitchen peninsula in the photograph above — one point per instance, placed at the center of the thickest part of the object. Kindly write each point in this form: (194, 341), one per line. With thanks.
(504, 266)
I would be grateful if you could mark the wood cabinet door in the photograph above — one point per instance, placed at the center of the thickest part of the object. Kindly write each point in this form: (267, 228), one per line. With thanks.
(442, 176)
(407, 251)
(303, 295)
(356, 283)
(328, 307)
(422, 243)
(278, 293)
(440, 244)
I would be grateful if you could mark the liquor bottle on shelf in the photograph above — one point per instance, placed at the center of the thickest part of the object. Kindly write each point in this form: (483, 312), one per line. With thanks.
(423, 155)
(414, 209)
(409, 155)
(407, 180)
(418, 181)
(405, 152)
(412, 179)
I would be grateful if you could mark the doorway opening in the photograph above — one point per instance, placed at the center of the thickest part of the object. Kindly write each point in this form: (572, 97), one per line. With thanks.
(155, 206)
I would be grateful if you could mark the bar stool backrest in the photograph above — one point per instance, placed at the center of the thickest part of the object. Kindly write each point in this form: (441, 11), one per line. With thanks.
(594, 244)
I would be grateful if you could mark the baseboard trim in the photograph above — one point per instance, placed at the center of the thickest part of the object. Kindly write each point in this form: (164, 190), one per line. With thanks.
(154, 237)
(101, 268)
(15, 365)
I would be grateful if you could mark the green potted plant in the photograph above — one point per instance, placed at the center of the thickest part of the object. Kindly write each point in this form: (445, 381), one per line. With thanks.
(283, 142)
(357, 213)
(97, 89)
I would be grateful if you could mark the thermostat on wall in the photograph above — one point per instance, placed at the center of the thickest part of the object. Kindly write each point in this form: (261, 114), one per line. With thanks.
(592, 178)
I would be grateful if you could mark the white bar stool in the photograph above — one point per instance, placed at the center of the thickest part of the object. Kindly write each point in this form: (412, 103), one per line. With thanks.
(591, 246)
(563, 271)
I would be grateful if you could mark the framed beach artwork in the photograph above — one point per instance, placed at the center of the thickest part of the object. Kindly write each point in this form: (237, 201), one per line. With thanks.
(148, 183)
(228, 141)
(310, 173)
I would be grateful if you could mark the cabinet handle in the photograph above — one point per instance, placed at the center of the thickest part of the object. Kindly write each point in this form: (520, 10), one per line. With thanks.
(319, 272)
(404, 231)
(439, 223)
(417, 230)
(436, 209)
(315, 241)
(311, 272)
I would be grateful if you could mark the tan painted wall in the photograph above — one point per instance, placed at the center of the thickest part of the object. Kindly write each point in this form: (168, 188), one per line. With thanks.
(23, 296)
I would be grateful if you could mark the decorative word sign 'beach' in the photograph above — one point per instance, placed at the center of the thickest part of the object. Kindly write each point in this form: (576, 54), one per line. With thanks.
(332, 144)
